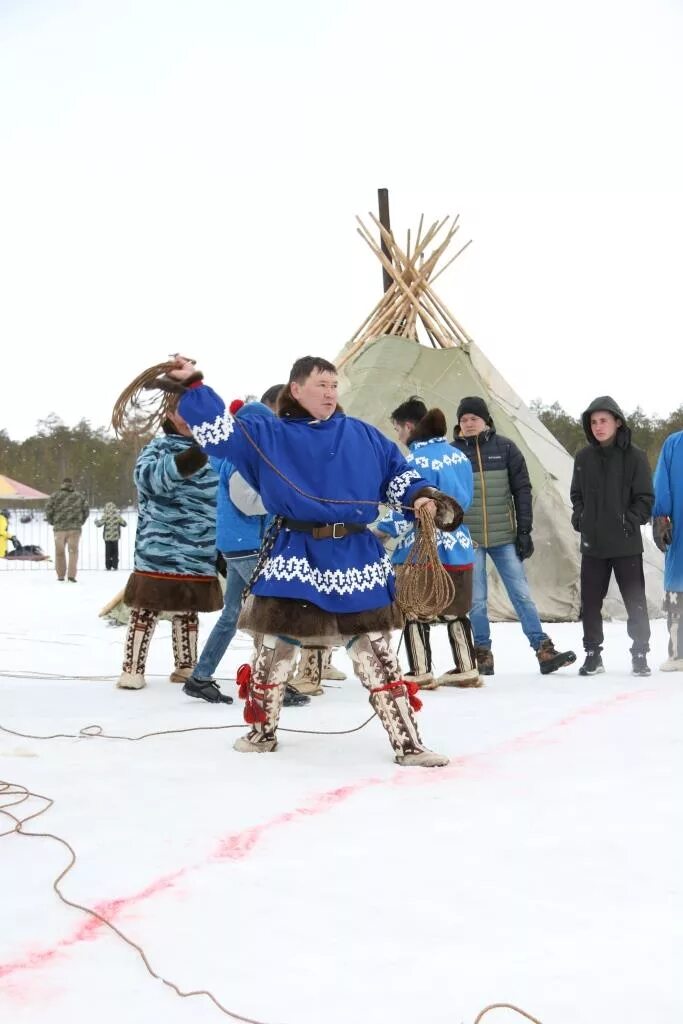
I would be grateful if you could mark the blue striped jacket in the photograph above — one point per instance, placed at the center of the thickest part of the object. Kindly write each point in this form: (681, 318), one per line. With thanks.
(176, 530)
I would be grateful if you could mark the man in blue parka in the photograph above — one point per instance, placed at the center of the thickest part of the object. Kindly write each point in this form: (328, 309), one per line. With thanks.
(667, 530)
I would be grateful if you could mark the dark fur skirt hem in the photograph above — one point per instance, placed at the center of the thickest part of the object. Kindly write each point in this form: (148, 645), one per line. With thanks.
(310, 625)
(172, 594)
(462, 601)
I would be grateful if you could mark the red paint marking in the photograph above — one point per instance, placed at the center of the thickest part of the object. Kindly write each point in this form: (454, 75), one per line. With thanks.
(240, 844)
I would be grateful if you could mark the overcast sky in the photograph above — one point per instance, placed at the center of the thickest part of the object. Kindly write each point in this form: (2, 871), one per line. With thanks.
(184, 175)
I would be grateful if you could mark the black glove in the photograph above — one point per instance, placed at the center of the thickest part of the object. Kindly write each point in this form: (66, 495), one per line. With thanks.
(661, 532)
(524, 546)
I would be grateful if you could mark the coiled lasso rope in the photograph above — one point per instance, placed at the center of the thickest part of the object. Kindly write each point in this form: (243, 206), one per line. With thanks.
(424, 588)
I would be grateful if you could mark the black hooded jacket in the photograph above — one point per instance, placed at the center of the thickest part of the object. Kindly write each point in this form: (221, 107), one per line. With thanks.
(611, 490)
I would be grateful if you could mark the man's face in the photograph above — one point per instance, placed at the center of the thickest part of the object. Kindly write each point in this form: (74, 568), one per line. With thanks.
(471, 425)
(317, 394)
(403, 431)
(604, 426)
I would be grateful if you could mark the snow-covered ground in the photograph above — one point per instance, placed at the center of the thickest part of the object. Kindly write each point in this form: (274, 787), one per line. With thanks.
(91, 548)
(323, 884)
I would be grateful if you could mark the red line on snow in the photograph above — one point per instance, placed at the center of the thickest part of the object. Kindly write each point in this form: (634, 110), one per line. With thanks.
(239, 845)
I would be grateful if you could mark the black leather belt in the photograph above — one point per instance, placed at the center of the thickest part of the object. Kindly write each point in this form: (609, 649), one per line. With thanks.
(323, 531)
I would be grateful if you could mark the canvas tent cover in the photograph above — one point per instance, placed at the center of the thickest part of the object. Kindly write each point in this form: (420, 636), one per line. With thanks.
(387, 370)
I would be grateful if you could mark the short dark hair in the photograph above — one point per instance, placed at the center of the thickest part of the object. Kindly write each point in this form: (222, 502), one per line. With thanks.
(304, 367)
(410, 411)
(270, 396)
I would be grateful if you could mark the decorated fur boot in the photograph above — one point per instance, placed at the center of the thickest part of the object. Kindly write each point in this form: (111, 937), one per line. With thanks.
(330, 671)
(393, 699)
(465, 672)
(263, 690)
(419, 651)
(184, 629)
(308, 678)
(141, 625)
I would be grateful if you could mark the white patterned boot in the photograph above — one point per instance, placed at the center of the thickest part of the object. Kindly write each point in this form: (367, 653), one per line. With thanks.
(393, 700)
(264, 689)
(309, 672)
(141, 626)
(330, 671)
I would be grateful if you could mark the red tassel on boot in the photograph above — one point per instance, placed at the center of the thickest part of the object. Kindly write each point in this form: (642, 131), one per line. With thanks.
(411, 690)
(243, 678)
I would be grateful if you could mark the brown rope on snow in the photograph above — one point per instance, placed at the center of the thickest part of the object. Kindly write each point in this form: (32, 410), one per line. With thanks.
(424, 589)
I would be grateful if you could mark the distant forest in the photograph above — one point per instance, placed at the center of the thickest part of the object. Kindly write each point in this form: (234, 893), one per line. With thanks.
(102, 466)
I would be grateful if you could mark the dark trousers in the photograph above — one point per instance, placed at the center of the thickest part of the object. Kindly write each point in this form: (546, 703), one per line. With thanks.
(111, 554)
(595, 577)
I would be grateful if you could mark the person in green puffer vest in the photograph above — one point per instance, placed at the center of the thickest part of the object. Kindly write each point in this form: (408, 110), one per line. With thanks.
(66, 511)
(500, 520)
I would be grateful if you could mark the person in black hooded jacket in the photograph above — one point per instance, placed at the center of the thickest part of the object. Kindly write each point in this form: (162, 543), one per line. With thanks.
(612, 497)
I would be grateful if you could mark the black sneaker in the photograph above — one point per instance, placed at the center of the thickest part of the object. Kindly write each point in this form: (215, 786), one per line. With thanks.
(205, 689)
(593, 665)
(640, 665)
(294, 699)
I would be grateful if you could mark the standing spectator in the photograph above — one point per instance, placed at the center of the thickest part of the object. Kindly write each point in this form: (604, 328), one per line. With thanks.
(500, 521)
(5, 535)
(667, 531)
(175, 551)
(112, 521)
(612, 496)
(66, 511)
(423, 431)
(241, 522)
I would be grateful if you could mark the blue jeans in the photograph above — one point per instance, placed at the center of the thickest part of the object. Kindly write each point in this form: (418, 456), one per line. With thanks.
(511, 571)
(220, 637)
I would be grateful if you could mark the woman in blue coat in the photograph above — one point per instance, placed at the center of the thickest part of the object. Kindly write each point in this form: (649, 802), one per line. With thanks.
(668, 536)
(432, 455)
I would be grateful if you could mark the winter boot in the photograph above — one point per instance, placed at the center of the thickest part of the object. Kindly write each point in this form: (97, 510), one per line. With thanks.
(393, 699)
(294, 699)
(329, 670)
(484, 656)
(141, 625)
(263, 690)
(309, 673)
(425, 680)
(673, 605)
(184, 629)
(419, 653)
(640, 665)
(131, 681)
(205, 689)
(550, 660)
(593, 665)
(465, 673)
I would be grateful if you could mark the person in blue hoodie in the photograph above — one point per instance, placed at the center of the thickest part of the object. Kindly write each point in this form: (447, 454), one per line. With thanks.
(667, 531)
(424, 432)
(241, 524)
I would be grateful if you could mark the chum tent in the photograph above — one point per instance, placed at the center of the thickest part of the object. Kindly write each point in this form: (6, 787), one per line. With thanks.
(387, 361)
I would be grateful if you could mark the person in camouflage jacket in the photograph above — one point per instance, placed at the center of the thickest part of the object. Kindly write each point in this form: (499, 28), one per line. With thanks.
(66, 511)
(112, 521)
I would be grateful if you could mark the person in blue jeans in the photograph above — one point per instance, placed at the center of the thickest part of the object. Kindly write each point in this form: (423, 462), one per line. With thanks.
(241, 524)
(500, 521)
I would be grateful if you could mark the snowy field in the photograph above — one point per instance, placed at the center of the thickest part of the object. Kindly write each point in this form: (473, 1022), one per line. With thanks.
(322, 884)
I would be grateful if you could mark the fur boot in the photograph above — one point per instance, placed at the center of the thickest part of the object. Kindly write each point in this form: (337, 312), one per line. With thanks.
(392, 699)
(419, 652)
(141, 626)
(465, 671)
(264, 689)
(330, 671)
(308, 678)
(184, 629)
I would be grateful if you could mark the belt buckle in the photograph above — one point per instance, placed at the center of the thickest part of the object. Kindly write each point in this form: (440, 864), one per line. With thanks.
(335, 535)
